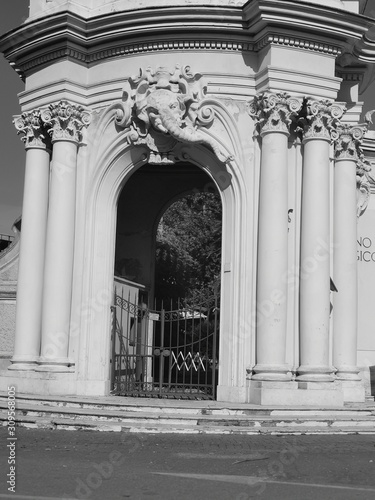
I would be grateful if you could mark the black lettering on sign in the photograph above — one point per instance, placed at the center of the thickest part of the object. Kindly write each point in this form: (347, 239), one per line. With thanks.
(365, 253)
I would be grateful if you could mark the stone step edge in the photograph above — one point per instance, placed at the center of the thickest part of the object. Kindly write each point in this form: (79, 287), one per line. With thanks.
(77, 412)
(58, 424)
(172, 404)
(210, 411)
(244, 423)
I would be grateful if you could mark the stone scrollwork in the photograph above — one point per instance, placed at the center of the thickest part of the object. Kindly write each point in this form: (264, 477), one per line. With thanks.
(162, 108)
(365, 180)
(30, 125)
(320, 119)
(274, 112)
(348, 140)
(64, 121)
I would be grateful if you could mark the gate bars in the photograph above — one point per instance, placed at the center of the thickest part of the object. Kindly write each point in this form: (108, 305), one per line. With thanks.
(165, 353)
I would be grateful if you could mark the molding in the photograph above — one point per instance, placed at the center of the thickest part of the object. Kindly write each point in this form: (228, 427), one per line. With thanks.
(300, 43)
(297, 82)
(66, 35)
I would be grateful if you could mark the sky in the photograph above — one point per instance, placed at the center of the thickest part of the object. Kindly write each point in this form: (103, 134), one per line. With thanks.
(12, 152)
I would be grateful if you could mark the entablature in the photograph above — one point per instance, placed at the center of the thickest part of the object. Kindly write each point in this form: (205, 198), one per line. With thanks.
(251, 27)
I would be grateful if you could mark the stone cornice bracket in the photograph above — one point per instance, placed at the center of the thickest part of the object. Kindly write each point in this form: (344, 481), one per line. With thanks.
(274, 112)
(65, 121)
(31, 126)
(319, 119)
(348, 139)
(163, 107)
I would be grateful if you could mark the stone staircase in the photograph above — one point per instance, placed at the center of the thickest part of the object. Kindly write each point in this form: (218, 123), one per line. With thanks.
(120, 414)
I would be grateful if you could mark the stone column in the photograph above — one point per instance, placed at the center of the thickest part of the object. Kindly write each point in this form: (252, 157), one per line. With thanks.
(347, 154)
(32, 242)
(65, 122)
(321, 118)
(274, 113)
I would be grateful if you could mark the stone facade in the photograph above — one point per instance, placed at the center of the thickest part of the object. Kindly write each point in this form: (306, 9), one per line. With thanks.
(265, 100)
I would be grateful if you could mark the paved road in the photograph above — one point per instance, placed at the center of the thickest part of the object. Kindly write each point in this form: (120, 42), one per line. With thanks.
(98, 465)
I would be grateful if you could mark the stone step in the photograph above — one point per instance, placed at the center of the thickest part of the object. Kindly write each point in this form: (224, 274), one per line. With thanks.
(145, 415)
(184, 407)
(25, 407)
(187, 428)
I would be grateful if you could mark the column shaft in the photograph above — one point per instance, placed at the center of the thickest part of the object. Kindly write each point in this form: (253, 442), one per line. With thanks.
(315, 263)
(275, 114)
(64, 121)
(59, 258)
(272, 260)
(31, 260)
(345, 271)
(345, 311)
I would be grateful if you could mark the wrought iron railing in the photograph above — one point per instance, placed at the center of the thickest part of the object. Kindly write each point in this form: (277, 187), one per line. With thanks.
(167, 352)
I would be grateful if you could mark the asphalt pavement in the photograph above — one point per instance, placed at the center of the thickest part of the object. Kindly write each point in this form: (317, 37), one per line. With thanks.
(109, 465)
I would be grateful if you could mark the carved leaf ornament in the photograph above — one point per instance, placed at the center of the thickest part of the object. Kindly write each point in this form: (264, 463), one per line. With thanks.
(60, 121)
(29, 124)
(162, 108)
(274, 112)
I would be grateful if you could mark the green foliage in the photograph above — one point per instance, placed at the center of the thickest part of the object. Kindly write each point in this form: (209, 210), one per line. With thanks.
(188, 247)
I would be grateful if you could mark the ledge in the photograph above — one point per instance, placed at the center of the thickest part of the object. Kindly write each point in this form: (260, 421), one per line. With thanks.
(66, 35)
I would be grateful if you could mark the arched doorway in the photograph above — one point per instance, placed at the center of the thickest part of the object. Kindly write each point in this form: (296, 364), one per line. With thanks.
(164, 344)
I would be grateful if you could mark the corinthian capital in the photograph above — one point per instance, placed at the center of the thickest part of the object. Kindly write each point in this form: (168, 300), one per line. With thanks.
(348, 140)
(65, 121)
(30, 125)
(274, 112)
(321, 119)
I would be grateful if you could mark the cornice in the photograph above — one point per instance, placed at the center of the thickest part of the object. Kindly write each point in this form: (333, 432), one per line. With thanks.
(300, 42)
(249, 28)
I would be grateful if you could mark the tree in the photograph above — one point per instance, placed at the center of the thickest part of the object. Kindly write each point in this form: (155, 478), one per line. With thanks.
(188, 247)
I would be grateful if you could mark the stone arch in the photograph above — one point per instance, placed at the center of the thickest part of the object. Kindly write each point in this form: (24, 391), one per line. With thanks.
(115, 161)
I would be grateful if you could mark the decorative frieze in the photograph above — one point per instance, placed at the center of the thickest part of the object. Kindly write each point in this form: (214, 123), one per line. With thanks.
(64, 121)
(274, 112)
(31, 126)
(320, 119)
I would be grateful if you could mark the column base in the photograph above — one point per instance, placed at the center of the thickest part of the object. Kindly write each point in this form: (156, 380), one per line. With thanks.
(315, 374)
(24, 363)
(18, 366)
(295, 394)
(276, 373)
(59, 365)
(347, 373)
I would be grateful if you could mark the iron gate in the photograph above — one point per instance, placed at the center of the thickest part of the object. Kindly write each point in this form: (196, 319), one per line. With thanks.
(171, 352)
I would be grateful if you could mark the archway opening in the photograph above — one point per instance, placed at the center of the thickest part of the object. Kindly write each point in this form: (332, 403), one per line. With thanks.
(167, 284)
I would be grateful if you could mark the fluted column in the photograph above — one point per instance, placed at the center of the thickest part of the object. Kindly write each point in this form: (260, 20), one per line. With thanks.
(321, 118)
(274, 113)
(65, 122)
(347, 154)
(32, 242)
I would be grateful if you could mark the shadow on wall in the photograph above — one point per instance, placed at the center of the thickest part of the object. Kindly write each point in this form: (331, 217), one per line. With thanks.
(372, 380)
